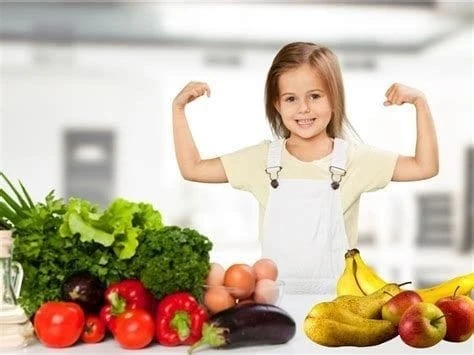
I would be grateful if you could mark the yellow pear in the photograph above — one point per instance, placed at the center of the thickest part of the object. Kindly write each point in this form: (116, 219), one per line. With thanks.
(369, 306)
(329, 324)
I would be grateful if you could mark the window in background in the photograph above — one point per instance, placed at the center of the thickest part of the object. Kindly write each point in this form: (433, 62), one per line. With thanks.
(467, 242)
(88, 166)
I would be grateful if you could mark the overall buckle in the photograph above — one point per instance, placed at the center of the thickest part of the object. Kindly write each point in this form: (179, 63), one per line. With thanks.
(336, 176)
(273, 172)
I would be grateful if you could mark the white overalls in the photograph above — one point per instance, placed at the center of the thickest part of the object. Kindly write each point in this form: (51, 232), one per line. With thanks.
(303, 226)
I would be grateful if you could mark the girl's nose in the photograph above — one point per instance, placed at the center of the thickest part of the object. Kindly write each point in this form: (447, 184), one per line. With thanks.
(304, 107)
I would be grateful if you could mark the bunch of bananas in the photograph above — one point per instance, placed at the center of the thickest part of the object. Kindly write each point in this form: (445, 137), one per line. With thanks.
(358, 279)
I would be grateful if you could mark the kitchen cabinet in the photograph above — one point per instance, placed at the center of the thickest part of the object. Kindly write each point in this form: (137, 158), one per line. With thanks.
(298, 306)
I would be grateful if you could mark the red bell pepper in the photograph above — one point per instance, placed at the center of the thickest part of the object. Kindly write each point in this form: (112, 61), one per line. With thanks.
(179, 320)
(123, 296)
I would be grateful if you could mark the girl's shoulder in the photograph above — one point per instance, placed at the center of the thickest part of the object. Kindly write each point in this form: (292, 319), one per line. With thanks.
(362, 149)
(367, 154)
(259, 148)
(359, 149)
(252, 152)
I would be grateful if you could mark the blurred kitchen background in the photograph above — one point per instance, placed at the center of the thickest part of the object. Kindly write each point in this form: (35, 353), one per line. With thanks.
(85, 109)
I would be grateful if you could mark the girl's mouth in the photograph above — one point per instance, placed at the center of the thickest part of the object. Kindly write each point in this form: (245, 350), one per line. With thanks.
(305, 123)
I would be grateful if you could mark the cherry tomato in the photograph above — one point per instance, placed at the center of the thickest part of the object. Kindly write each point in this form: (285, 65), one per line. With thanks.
(59, 324)
(134, 329)
(94, 329)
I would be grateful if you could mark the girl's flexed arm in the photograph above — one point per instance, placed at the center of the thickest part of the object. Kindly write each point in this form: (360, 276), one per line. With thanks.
(425, 163)
(191, 166)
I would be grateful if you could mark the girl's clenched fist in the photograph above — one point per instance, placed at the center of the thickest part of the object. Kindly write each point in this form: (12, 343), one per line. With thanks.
(190, 92)
(398, 94)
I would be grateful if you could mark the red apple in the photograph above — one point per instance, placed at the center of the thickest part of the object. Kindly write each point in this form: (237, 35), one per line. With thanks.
(459, 313)
(422, 325)
(393, 309)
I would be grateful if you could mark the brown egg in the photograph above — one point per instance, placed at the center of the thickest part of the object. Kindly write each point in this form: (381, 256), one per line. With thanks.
(215, 277)
(241, 280)
(265, 269)
(217, 299)
(266, 291)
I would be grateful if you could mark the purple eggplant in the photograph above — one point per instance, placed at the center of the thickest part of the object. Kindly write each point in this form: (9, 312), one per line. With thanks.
(247, 325)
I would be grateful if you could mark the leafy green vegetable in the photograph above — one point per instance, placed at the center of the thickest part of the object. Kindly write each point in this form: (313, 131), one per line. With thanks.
(48, 258)
(54, 239)
(118, 226)
(172, 259)
(12, 211)
(87, 232)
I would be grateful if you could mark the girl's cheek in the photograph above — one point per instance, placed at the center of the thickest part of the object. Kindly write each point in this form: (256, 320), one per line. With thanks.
(322, 110)
(286, 112)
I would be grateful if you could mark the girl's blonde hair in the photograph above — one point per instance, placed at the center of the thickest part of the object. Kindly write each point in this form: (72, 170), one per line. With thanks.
(325, 62)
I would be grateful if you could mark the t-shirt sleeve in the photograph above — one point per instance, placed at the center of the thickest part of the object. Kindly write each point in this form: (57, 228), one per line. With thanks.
(245, 167)
(374, 167)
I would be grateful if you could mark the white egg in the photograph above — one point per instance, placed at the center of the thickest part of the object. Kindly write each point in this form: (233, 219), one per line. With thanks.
(215, 277)
(265, 269)
(266, 291)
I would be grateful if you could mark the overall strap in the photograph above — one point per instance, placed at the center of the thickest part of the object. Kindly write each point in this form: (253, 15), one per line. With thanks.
(338, 162)
(274, 161)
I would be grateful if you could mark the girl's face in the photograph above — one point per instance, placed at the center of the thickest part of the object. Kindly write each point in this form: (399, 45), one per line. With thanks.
(303, 103)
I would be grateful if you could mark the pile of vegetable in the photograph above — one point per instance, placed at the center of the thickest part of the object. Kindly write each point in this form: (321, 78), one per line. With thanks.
(89, 273)
(55, 239)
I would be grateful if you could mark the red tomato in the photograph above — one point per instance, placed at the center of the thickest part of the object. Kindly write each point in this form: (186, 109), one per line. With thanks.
(94, 329)
(134, 329)
(59, 324)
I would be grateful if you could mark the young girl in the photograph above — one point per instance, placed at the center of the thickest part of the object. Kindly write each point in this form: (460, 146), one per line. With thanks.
(308, 182)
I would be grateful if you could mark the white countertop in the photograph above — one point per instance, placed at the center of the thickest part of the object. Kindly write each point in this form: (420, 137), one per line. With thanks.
(297, 305)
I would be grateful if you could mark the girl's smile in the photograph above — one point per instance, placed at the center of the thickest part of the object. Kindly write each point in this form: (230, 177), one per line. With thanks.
(305, 122)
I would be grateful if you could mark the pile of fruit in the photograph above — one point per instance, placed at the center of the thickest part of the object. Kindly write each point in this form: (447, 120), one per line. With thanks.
(369, 311)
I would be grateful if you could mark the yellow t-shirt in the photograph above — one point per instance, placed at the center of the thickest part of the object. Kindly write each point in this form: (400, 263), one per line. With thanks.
(368, 169)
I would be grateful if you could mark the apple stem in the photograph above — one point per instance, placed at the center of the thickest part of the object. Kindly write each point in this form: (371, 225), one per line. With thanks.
(388, 293)
(436, 319)
(456, 290)
(404, 283)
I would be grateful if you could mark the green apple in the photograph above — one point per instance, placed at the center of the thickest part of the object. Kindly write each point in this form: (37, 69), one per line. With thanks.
(393, 309)
(422, 325)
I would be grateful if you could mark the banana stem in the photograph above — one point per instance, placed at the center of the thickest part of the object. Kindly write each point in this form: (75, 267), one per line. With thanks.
(350, 253)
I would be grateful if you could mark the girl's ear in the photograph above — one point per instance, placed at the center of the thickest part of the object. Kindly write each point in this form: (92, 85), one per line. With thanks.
(277, 105)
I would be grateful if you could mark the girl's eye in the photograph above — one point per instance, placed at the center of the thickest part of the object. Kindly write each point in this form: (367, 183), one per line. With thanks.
(315, 96)
(290, 99)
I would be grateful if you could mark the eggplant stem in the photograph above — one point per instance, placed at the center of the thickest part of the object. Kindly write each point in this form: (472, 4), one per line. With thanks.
(211, 335)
